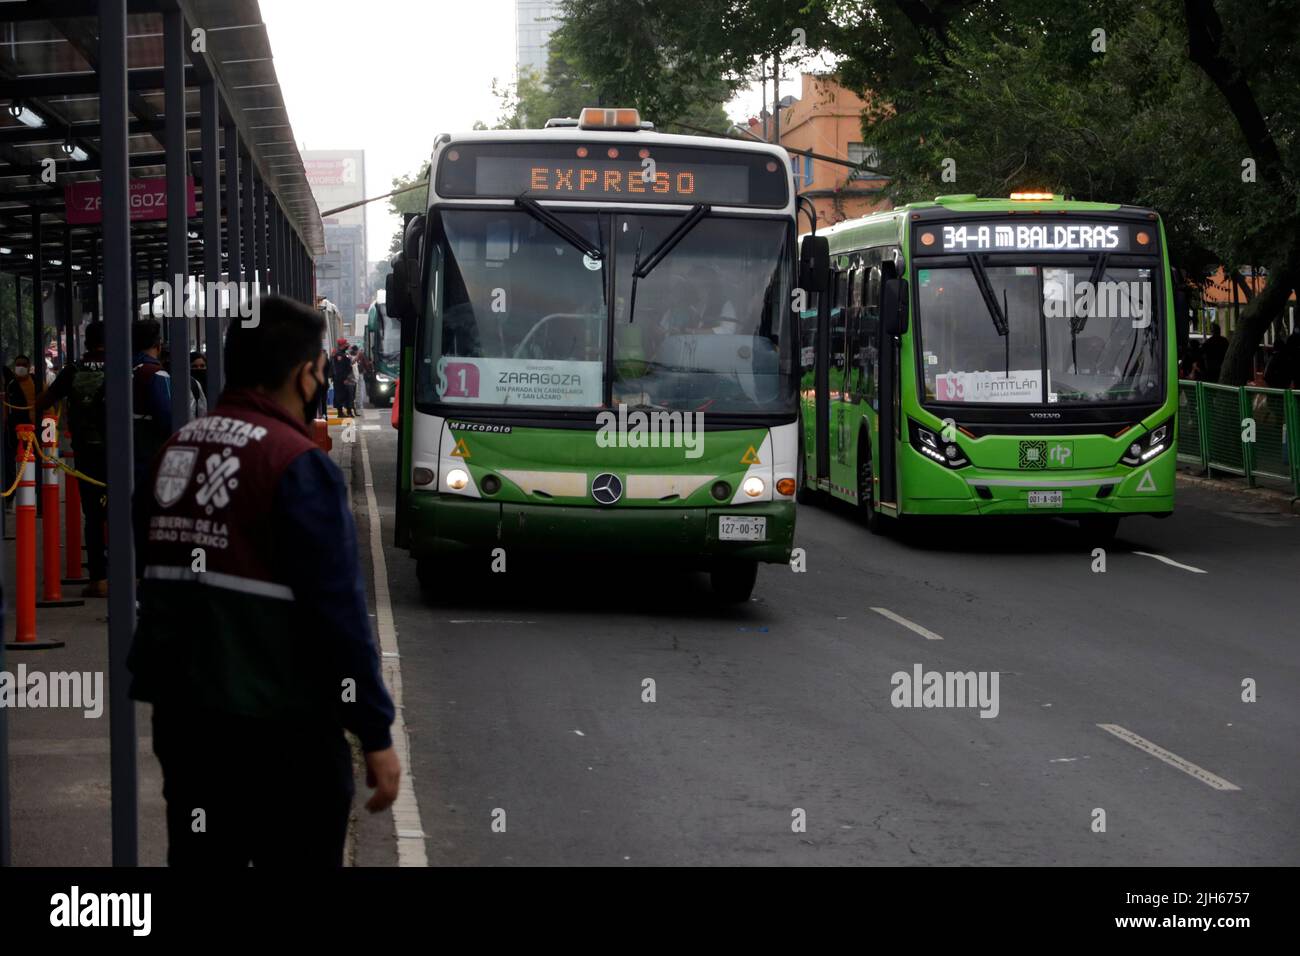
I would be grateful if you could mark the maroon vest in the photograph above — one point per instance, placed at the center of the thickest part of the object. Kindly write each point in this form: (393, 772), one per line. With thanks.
(213, 488)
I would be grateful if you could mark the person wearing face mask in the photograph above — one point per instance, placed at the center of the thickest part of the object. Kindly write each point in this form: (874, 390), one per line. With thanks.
(243, 658)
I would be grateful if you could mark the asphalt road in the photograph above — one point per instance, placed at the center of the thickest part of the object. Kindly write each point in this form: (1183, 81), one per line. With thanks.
(524, 694)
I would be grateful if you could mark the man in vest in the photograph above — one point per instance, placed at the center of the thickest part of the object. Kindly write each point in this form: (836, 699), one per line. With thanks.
(253, 643)
(82, 385)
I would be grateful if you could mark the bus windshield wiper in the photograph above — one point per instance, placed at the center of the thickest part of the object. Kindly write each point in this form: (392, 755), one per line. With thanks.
(642, 269)
(1077, 322)
(687, 223)
(559, 227)
(986, 293)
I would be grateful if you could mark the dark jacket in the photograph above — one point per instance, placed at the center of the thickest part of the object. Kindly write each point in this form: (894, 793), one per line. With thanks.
(274, 621)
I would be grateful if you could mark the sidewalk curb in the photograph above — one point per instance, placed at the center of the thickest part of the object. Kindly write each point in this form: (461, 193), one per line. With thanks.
(1283, 501)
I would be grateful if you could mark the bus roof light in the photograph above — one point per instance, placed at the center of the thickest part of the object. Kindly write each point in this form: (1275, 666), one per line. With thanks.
(1038, 197)
(595, 117)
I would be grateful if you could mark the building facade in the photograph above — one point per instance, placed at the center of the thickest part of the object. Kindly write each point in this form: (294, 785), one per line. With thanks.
(535, 20)
(338, 177)
(827, 119)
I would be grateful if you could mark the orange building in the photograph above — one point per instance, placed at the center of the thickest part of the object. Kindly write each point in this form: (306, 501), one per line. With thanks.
(827, 119)
(1222, 301)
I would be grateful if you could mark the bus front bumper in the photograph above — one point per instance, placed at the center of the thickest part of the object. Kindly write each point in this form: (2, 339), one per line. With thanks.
(1145, 490)
(447, 524)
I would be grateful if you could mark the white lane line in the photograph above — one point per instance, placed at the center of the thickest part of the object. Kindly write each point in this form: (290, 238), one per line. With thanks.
(1262, 520)
(406, 809)
(910, 625)
(1171, 562)
(487, 621)
(1186, 766)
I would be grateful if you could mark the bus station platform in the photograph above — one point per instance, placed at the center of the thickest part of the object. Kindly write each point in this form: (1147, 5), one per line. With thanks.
(59, 756)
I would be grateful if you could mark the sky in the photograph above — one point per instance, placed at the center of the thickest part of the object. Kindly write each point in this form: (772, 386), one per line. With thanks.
(387, 76)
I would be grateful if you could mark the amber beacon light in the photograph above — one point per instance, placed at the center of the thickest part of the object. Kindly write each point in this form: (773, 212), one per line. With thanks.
(594, 117)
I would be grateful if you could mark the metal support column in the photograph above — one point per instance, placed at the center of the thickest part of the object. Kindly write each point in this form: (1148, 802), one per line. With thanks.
(68, 343)
(259, 213)
(117, 319)
(178, 240)
(277, 263)
(38, 312)
(247, 225)
(210, 148)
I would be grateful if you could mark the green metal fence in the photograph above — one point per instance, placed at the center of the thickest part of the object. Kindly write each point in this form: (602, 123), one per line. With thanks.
(1246, 431)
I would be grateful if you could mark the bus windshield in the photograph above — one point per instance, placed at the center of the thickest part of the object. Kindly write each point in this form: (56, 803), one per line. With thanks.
(710, 327)
(521, 317)
(1069, 339)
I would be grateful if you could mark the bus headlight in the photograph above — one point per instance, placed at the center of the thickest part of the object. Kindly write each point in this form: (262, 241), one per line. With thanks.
(457, 479)
(752, 486)
(932, 446)
(1149, 445)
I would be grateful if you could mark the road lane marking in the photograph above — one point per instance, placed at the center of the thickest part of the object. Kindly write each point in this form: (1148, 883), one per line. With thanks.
(1262, 520)
(406, 809)
(487, 621)
(910, 625)
(1171, 562)
(1155, 750)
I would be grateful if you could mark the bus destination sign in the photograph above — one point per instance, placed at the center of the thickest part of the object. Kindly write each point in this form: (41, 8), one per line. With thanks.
(1038, 237)
(599, 172)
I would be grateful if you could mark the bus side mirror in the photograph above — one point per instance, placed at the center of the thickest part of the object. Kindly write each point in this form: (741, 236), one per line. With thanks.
(396, 294)
(412, 255)
(893, 306)
(815, 264)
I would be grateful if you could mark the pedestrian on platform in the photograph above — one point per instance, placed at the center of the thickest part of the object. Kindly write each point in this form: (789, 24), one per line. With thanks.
(345, 380)
(82, 384)
(257, 656)
(151, 392)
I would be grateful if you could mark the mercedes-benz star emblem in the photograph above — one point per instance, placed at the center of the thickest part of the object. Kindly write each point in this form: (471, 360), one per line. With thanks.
(606, 488)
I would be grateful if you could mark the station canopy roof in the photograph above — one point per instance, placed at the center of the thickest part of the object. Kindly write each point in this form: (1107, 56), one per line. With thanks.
(48, 76)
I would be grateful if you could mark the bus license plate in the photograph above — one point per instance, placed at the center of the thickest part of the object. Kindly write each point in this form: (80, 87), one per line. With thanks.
(1045, 499)
(732, 528)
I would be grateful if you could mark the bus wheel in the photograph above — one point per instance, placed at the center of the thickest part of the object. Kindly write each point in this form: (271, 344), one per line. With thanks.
(872, 518)
(733, 581)
(1099, 529)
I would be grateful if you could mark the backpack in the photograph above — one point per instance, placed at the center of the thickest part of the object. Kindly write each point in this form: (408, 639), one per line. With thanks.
(87, 414)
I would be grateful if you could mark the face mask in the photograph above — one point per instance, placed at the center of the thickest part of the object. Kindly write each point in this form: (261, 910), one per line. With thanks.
(22, 371)
(311, 405)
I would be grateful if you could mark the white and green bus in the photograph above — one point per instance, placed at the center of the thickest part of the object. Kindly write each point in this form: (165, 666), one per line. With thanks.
(599, 353)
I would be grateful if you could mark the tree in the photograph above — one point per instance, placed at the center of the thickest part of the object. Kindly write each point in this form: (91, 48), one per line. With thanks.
(614, 45)
(1187, 106)
(414, 200)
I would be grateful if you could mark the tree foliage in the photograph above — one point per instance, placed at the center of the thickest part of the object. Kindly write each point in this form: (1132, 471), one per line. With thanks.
(1165, 103)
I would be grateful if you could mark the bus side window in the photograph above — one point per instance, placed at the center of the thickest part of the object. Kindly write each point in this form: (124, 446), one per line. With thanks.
(808, 334)
(852, 371)
(868, 349)
(839, 314)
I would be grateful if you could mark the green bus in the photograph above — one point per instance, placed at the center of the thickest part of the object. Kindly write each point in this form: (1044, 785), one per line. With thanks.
(600, 350)
(383, 347)
(993, 357)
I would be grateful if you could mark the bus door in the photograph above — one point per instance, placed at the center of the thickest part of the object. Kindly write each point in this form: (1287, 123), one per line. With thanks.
(838, 370)
(830, 310)
(887, 399)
